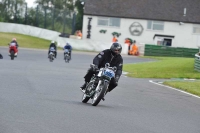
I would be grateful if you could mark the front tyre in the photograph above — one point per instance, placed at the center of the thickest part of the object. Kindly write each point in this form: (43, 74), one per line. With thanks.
(100, 92)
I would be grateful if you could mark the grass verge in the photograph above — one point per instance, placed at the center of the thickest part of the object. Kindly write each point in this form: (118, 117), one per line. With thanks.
(164, 67)
(24, 41)
(167, 68)
(188, 86)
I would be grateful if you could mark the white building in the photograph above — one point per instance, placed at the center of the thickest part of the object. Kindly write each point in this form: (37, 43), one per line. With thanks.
(173, 23)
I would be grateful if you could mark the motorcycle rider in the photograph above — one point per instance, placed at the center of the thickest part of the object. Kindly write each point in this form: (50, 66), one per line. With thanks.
(53, 44)
(111, 56)
(14, 42)
(69, 47)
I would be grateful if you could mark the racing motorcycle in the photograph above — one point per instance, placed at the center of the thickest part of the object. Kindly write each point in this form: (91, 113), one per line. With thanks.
(66, 55)
(97, 88)
(1, 56)
(13, 51)
(52, 54)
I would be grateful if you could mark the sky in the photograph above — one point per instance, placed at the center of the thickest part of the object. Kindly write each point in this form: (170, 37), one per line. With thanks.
(30, 3)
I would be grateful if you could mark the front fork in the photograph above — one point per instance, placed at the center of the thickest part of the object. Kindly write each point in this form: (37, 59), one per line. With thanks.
(98, 88)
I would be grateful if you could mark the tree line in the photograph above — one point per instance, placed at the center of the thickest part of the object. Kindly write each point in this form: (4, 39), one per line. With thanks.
(64, 16)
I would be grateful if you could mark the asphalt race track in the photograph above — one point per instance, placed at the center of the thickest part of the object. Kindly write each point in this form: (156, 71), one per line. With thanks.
(38, 96)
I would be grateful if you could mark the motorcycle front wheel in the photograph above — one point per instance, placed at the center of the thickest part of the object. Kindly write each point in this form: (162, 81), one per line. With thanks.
(100, 92)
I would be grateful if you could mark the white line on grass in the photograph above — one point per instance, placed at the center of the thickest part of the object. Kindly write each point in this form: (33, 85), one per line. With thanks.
(174, 89)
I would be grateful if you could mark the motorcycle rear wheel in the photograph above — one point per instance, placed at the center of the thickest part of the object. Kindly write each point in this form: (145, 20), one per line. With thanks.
(12, 55)
(85, 99)
(66, 58)
(50, 58)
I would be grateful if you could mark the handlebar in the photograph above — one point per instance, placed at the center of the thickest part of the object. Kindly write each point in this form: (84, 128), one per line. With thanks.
(107, 65)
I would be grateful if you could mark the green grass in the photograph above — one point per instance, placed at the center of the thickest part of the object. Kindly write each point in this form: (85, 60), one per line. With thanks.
(188, 86)
(168, 68)
(24, 41)
(164, 67)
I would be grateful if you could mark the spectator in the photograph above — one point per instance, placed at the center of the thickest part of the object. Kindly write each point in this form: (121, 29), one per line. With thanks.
(79, 34)
(128, 41)
(114, 39)
(134, 49)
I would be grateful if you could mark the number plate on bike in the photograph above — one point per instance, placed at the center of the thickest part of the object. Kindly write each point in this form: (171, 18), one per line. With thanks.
(109, 73)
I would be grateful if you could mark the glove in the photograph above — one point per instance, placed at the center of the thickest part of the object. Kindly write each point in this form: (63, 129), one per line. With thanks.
(117, 78)
(95, 68)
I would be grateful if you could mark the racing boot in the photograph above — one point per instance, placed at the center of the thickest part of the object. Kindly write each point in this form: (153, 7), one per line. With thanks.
(82, 88)
(16, 54)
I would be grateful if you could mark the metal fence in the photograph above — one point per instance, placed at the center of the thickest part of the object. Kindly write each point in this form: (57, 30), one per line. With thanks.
(197, 62)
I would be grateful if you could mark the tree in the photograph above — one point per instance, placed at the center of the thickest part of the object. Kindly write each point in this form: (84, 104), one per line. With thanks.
(51, 14)
(58, 12)
(79, 17)
(59, 4)
(12, 10)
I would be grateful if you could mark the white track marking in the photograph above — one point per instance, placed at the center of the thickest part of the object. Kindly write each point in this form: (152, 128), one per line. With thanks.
(174, 89)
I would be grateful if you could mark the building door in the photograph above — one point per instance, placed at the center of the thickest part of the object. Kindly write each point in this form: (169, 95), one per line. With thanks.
(163, 40)
(167, 42)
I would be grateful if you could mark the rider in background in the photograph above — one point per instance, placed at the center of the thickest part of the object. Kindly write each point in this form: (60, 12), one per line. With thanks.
(1, 56)
(111, 56)
(14, 40)
(69, 47)
(14, 43)
(53, 44)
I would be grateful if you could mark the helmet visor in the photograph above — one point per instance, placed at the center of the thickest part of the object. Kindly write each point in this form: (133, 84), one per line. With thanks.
(117, 51)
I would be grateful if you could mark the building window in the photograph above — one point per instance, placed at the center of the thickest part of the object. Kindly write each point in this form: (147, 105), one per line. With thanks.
(196, 30)
(103, 21)
(155, 25)
(112, 22)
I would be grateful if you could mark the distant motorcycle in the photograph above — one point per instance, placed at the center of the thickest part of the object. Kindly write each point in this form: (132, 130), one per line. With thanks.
(67, 55)
(13, 51)
(52, 54)
(96, 89)
(1, 56)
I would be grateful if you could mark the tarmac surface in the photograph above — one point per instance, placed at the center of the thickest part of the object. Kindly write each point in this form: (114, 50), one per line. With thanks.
(38, 96)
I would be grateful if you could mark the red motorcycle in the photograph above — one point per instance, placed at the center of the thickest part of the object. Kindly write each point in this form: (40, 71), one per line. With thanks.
(13, 50)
